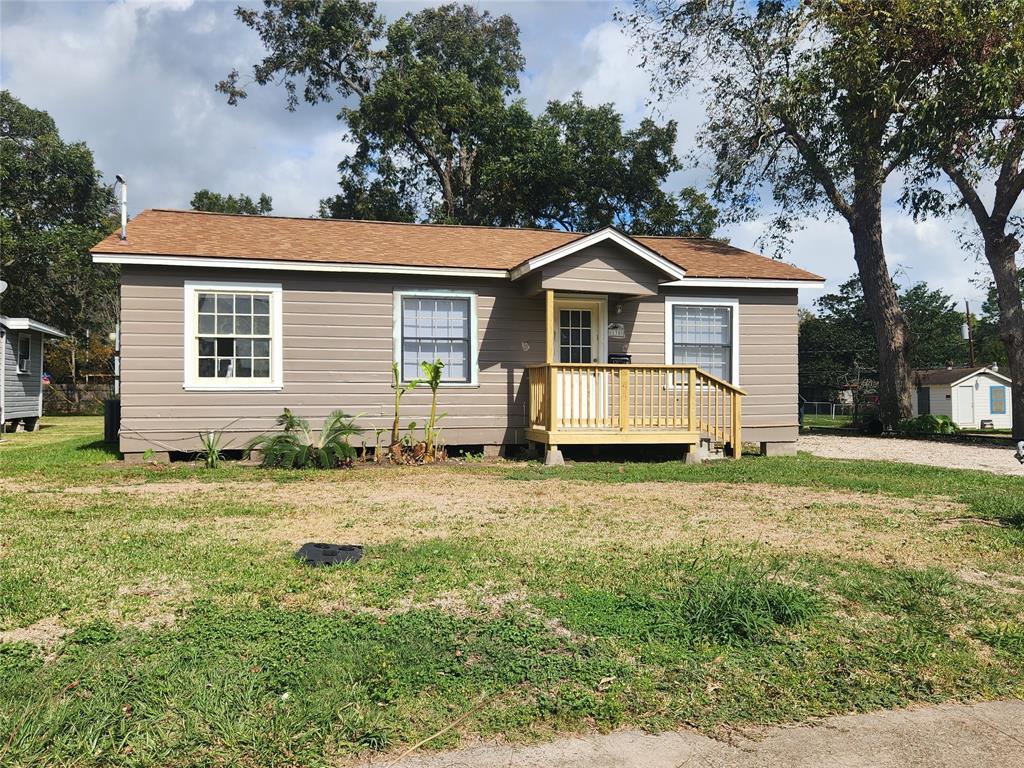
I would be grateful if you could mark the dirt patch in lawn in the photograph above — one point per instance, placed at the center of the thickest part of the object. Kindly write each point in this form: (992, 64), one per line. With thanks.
(45, 634)
(414, 504)
(409, 505)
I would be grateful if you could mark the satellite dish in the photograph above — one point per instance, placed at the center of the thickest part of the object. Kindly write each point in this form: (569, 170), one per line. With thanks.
(3, 286)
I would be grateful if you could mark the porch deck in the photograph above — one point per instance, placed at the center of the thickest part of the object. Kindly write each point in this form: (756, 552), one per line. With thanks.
(593, 404)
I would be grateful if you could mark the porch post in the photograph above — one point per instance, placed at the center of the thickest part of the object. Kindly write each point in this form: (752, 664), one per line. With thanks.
(549, 327)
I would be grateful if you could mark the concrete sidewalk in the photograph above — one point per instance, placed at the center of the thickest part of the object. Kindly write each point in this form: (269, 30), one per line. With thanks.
(987, 735)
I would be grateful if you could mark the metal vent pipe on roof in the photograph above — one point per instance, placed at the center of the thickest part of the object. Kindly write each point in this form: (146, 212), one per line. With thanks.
(124, 206)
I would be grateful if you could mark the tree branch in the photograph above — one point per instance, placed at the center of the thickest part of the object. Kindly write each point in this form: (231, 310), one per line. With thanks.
(818, 169)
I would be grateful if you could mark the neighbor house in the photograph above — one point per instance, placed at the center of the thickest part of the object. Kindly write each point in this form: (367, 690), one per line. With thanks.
(547, 336)
(969, 396)
(21, 371)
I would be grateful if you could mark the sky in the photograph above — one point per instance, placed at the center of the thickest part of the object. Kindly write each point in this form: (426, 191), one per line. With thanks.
(135, 81)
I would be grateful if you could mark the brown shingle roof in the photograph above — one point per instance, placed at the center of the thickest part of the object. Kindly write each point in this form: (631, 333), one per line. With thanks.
(193, 233)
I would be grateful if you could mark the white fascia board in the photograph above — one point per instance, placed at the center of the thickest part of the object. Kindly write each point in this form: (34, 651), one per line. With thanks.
(594, 238)
(741, 282)
(288, 265)
(27, 324)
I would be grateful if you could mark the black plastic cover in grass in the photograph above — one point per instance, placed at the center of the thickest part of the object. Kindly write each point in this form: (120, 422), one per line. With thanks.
(329, 554)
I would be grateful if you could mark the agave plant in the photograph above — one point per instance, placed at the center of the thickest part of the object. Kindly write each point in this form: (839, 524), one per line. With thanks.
(297, 446)
(210, 453)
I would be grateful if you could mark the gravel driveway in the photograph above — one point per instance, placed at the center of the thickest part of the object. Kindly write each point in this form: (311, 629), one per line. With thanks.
(934, 453)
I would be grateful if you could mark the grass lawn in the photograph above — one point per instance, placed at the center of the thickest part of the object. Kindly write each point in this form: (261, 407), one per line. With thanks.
(825, 420)
(156, 616)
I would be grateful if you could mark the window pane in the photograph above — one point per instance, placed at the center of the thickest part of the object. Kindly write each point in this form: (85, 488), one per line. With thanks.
(243, 368)
(206, 302)
(436, 328)
(261, 347)
(206, 323)
(206, 347)
(206, 367)
(261, 368)
(243, 347)
(243, 304)
(261, 325)
(225, 304)
(243, 324)
(702, 336)
(225, 324)
(224, 367)
(261, 304)
(225, 347)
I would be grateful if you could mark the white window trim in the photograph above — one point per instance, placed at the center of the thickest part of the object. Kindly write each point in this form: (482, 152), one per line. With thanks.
(474, 343)
(192, 382)
(17, 355)
(702, 301)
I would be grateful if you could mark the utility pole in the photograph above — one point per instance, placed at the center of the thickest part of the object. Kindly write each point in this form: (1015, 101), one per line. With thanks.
(968, 332)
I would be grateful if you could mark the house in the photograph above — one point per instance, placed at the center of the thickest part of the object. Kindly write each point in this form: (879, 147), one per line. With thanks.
(21, 371)
(968, 396)
(547, 336)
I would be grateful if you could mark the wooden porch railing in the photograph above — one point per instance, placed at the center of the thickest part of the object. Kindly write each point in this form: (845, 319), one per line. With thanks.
(570, 397)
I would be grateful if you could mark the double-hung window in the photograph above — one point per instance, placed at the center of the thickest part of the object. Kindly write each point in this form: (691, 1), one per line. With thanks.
(434, 326)
(24, 352)
(703, 332)
(233, 336)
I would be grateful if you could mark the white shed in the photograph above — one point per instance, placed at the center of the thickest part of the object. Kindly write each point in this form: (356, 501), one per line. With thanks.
(968, 396)
(21, 370)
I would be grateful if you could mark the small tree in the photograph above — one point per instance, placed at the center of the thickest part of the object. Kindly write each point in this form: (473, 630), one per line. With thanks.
(400, 389)
(432, 372)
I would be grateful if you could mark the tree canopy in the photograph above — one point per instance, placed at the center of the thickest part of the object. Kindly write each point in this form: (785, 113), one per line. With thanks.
(53, 208)
(431, 102)
(837, 347)
(205, 200)
(808, 112)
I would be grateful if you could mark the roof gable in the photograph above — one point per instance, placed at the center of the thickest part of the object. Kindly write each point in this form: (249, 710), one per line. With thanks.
(606, 235)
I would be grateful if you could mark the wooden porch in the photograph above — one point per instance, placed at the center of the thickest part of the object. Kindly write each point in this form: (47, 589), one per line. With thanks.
(595, 404)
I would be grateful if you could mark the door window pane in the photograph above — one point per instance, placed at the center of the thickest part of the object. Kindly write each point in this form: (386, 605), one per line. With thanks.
(574, 336)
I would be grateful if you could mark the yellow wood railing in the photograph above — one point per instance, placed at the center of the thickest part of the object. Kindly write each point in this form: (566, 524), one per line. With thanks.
(566, 397)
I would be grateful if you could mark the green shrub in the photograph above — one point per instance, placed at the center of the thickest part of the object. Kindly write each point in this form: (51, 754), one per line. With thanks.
(928, 424)
(295, 447)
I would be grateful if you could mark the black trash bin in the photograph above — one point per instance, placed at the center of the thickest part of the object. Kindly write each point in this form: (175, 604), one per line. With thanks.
(111, 420)
(616, 358)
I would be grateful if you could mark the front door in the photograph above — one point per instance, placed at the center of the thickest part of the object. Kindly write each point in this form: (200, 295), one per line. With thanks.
(965, 406)
(578, 337)
(583, 392)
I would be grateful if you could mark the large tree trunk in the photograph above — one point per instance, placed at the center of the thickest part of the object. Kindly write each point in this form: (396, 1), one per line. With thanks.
(892, 333)
(1001, 252)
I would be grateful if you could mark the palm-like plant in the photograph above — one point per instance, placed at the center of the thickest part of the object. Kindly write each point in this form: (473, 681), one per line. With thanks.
(400, 389)
(297, 446)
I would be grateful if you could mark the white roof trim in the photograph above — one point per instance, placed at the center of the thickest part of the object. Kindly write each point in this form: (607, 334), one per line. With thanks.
(743, 282)
(594, 238)
(27, 324)
(285, 264)
(979, 372)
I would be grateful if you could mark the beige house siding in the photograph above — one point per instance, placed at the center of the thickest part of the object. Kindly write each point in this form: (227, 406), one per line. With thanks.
(338, 347)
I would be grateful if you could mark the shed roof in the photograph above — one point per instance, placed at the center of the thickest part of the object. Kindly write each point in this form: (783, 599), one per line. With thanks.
(931, 377)
(162, 232)
(28, 324)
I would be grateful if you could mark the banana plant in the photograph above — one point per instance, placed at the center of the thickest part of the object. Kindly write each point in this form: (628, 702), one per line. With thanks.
(432, 376)
(400, 389)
